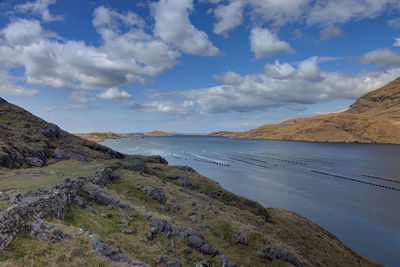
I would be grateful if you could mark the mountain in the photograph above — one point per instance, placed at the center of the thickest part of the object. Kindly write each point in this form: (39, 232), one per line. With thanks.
(373, 118)
(28, 141)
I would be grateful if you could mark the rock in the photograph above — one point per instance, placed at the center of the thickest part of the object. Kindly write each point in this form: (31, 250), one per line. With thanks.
(127, 231)
(52, 131)
(184, 181)
(60, 153)
(100, 196)
(104, 177)
(169, 263)
(204, 263)
(193, 218)
(45, 231)
(136, 165)
(280, 254)
(80, 202)
(158, 225)
(174, 176)
(154, 193)
(112, 253)
(226, 262)
(34, 162)
(77, 157)
(239, 239)
(196, 241)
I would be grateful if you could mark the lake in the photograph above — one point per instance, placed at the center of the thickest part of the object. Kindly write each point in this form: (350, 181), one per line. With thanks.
(352, 190)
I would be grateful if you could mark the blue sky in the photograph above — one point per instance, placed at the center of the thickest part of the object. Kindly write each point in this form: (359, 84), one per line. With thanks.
(193, 66)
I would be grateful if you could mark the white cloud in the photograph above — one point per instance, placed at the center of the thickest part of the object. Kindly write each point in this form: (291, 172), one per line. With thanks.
(394, 23)
(280, 85)
(384, 57)
(125, 57)
(9, 88)
(264, 43)
(81, 96)
(39, 7)
(165, 107)
(342, 11)
(396, 41)
(114, 94)
(228, 17)
(172, 25)
(330, 31)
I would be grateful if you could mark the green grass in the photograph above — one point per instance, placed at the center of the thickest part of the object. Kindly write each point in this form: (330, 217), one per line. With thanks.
(222, 230)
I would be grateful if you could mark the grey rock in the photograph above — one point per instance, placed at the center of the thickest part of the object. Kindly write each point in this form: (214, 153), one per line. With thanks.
(52, 131)
(193, 218)
(196, 241)
(34, 162)
(100, 196)
(239, 239)
(169, 263)
(104, 177)
(280, 254)
(204, 263)
(154, 193)
(127, 231)
(136, 165)
(80, 202)
(158, 225)
(226, 262)
(77, 157)
(45, 231)
(60, 153)
(112, 253)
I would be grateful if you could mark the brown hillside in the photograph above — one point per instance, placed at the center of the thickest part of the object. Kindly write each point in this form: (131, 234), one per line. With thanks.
(373, 118)
(28, 141)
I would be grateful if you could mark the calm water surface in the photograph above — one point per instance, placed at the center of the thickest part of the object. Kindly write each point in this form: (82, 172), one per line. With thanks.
(330, 184)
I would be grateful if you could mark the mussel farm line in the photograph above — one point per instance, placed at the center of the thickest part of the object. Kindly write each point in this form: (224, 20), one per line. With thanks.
(355, 180)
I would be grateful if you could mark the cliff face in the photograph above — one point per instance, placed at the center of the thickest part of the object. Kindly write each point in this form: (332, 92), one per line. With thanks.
(27, 141)
(373, 118)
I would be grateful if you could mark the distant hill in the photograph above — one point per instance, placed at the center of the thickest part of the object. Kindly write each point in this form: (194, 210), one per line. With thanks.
(157, 133)
(99, 137)
(28, 141)
(373, 118)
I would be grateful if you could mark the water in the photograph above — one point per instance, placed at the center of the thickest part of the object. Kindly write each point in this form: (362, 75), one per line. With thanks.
(327, 183)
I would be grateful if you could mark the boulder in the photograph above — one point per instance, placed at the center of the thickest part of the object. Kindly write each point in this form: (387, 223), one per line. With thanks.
(226, 262)
(239, 239)
(196, 241)
(112, 253)
(154, 193)
(158, 226)
(169, 263)
(100, 196)
(60, 153)
(34, 162)
(280, 254)
(45, 231)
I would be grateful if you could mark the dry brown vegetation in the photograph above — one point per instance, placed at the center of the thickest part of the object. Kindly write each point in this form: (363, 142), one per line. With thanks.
(373, 118)
(157, 133)
(100, 137)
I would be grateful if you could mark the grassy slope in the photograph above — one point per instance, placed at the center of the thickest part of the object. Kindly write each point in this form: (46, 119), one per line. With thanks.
(309, 242)
(373, 118)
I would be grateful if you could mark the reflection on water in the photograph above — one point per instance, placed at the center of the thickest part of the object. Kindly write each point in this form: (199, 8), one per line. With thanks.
(352, 190)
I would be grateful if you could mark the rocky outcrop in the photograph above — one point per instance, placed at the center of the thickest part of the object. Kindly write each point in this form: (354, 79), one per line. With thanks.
(40, 203)
(280, 254)
(239, 239)
(154, 193)
(112, 253)
(169, 263)
(197, 241)
(47, 232)
(136, 165)
(100, 196)
(104, 177)
(157, 226)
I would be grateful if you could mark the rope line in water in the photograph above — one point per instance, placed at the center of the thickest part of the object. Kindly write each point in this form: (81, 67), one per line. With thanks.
(354, 180)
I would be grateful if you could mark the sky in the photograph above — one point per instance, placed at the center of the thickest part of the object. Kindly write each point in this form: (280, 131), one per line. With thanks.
(193, 66)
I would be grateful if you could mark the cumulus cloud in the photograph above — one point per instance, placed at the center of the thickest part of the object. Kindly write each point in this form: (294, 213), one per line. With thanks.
(39, 7)
(343, 11)
(127, 54)
(394, 23)
(9, 88)
(114, 94)
(329, 32)
(172, 24)
(165, 107)
(396, 41)
(290, 85)
(385, 57)
(228, 17)
(265, 44)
